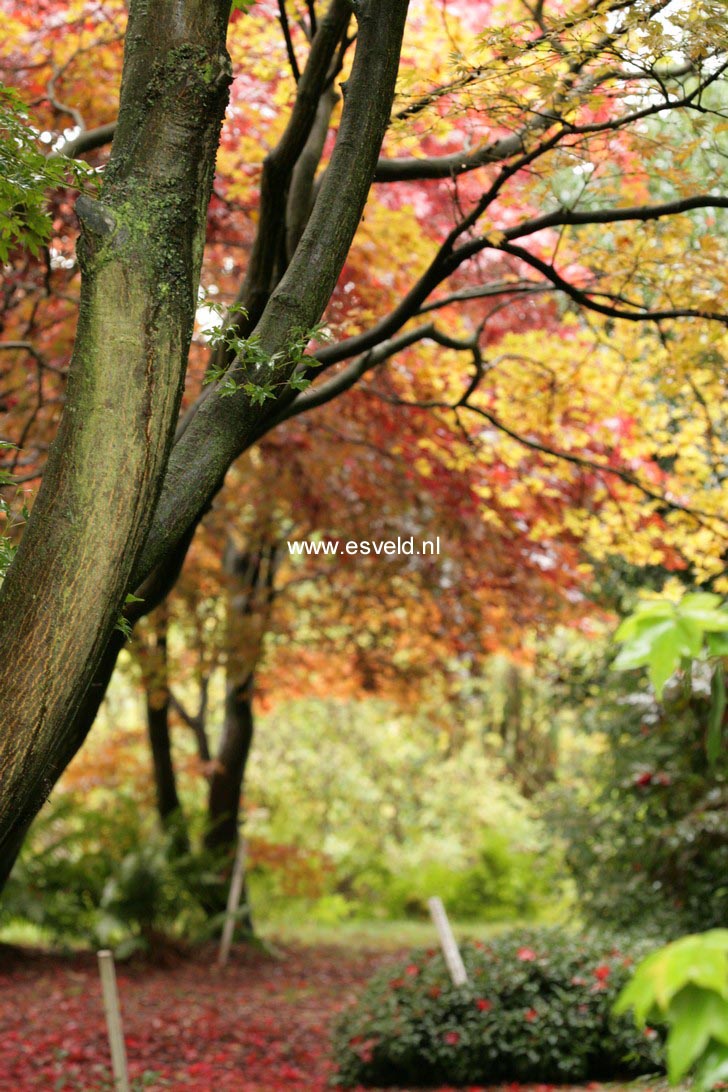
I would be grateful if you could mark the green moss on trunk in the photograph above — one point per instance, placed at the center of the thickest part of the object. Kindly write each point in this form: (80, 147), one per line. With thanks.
(140, 254)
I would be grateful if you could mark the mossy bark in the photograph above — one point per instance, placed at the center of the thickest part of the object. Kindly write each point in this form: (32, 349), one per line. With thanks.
(140, 253)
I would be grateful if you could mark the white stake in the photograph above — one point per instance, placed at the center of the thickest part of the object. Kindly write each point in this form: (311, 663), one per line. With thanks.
(236, 886)
(113, 1021)
(448, 943)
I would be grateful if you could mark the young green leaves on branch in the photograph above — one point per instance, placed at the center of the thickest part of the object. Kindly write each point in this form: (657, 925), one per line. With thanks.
(257, 364)
(666, 637)
(25, 176)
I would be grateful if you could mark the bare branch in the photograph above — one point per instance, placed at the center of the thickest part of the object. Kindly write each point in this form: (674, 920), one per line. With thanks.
(587, 299)
(283, 20)
(87, 141)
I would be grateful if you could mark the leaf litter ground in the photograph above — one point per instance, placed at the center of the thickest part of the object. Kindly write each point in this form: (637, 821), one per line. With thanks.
(260, 1024)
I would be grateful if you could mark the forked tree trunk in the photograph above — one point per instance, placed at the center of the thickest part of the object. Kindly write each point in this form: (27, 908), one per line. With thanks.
(114, 508)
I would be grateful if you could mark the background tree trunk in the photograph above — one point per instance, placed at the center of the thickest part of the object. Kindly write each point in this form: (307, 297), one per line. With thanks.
(226, 783)
(155, 668)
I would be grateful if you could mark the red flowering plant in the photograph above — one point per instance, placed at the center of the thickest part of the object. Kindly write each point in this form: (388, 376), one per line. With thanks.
(536, 1008)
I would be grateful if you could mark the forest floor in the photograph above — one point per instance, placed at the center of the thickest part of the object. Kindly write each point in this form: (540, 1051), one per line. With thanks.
(260, 1024)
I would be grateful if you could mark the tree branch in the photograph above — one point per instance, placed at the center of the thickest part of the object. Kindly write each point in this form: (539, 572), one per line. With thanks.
(283, 20)
(87, 141)
(586, 299)
(222, 427)
(447, 260)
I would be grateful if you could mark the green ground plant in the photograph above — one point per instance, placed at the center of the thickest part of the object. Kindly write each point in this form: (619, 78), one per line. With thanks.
(98, 876)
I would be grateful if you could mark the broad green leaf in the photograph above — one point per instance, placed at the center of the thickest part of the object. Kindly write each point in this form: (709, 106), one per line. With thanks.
(700, 960)
(700, 601)
(657, 608)
(639, 993)
(637, 650)
(717, 644)
(638, 623)
(714, 621)
(690, 635)
(696, 1016)
(713, 1068)
(665, 657)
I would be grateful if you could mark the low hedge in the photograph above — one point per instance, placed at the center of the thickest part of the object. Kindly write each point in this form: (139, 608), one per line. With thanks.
(536, 1008)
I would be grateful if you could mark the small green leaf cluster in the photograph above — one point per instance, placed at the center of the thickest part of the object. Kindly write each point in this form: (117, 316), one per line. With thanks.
(665, 637)
(685, 986)
(26, 173)
(253, 360)
(537, 1007)
(123, 624)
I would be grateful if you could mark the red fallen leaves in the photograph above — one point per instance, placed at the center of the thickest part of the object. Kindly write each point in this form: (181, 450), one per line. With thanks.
(260, 1025)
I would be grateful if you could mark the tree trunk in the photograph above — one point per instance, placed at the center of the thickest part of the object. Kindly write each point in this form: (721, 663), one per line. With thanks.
(226, 786)
(165, 782)
(250, 594)
(140, 253)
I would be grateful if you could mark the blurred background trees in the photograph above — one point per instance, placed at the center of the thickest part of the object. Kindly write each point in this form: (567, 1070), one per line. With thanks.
(524, 358)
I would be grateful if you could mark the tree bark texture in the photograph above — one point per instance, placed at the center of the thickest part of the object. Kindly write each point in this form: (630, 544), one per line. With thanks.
(140, 253)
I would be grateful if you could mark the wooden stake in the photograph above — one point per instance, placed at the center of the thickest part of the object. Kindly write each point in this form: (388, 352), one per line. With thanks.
(448, 943)
(236, 887)
(113, 1021)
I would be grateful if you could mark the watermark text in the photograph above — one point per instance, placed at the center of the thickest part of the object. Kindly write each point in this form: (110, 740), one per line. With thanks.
(388, 547)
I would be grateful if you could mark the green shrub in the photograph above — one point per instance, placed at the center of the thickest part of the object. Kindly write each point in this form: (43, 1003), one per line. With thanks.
(409, 815)
(108, 876)
(155, 894)
(503, 883)
(647, 844)
(537, 1007)
(58, 882)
